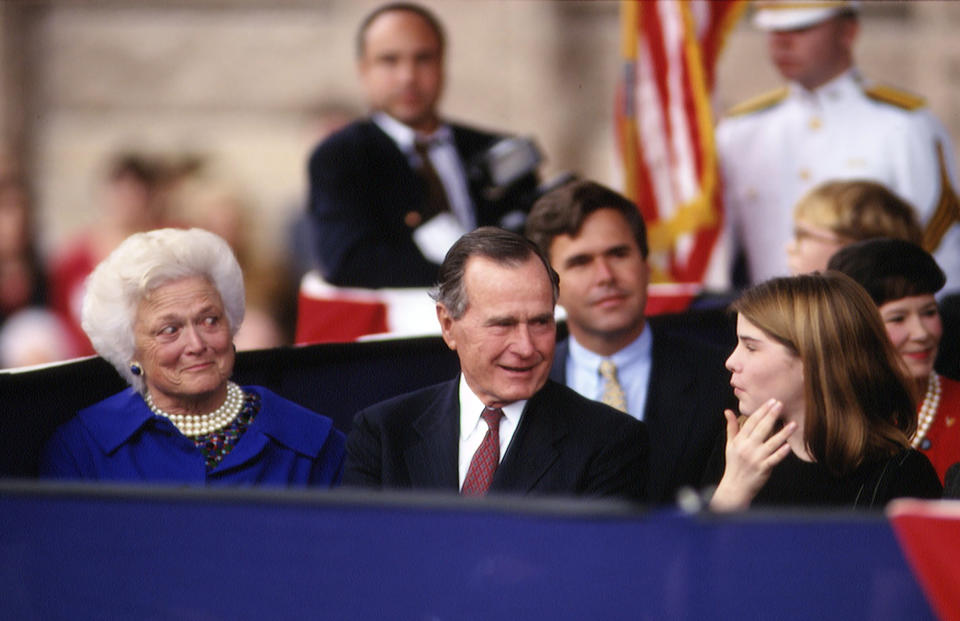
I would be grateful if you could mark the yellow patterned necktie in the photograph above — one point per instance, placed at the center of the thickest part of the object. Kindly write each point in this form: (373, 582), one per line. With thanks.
(612, 390)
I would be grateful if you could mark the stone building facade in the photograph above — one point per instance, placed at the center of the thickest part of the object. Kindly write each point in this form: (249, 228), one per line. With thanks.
(238, 82)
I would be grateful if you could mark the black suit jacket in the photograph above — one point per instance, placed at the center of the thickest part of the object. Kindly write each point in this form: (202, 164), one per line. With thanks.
(366, 200)
(565, 445)
(688, 391)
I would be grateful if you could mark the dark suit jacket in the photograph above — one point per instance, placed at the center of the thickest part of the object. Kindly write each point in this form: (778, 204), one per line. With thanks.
(363, 193)
(689, 388)
(565, 444)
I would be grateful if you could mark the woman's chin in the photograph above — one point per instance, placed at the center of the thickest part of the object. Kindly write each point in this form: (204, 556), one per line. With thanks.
(201, 387)
(919, 370)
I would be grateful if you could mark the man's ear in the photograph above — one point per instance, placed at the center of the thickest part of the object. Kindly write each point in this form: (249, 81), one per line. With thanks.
(851, 28)
(446, 326)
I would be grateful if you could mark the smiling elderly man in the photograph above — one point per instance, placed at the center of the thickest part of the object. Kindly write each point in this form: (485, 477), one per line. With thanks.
(502, 426)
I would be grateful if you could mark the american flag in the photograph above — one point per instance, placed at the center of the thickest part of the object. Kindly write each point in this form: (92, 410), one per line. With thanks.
(664, 125)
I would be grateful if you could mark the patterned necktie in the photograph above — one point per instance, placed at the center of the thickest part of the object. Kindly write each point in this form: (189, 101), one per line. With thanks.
(487, 457)
(612, 390)
(436, 194)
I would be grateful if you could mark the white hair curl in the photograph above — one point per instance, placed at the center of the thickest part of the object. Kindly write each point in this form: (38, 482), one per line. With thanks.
(143, 262)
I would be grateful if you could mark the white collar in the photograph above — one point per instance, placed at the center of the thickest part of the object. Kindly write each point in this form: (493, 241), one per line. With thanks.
(847, 83)
(404, 135)
(634, 351)
(471, 407)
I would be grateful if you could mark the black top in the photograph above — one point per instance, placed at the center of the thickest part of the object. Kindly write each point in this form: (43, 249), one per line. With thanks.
(795, 482)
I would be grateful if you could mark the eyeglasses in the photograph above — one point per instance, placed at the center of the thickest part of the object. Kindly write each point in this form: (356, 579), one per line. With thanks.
(803, 234)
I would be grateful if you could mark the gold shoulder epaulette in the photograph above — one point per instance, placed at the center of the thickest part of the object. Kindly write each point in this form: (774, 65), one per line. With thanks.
(894, 96)
(760, 102)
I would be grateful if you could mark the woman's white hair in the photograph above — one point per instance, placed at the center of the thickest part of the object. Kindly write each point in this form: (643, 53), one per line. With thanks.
(143, 262)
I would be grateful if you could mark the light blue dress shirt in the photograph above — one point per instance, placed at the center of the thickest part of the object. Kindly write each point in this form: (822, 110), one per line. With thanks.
(633, 370)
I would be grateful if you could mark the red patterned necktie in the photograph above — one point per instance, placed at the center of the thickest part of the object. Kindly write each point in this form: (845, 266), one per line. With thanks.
(487, 457)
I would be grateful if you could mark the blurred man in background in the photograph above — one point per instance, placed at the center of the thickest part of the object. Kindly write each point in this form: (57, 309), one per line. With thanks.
(390, 194)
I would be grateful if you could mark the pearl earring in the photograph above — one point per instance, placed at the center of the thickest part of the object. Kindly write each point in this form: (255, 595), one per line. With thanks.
(135, 368)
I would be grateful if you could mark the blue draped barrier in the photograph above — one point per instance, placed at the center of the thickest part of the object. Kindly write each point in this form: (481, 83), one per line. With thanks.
(104, 552)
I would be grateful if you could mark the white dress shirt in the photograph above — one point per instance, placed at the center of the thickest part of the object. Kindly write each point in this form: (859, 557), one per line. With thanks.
(473, 428)
(633, 371)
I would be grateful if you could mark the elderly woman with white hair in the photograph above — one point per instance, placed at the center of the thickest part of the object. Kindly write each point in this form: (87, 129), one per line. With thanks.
(163, 309)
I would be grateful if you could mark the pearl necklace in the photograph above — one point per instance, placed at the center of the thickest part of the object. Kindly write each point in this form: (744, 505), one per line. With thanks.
(202, 424)
(928, 411)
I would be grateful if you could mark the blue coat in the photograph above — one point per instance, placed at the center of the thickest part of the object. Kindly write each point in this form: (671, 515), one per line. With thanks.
(120, 439)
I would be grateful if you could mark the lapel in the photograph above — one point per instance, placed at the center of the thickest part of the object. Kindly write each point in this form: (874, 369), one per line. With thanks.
(536, 444)
(669, 408)
(471, 145)
(394, 171)
(671, 377)
(558, 372)
(384, 145)
(431, 457)
(467, 149)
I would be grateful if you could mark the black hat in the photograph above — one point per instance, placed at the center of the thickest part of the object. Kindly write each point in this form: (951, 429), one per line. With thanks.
(889, 269)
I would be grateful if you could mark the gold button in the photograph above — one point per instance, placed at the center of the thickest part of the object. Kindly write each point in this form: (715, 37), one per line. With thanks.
(412, 219)
(805, 174)
(815, 123)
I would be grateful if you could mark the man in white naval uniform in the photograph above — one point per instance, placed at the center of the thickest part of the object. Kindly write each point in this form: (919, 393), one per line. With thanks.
(827, 123)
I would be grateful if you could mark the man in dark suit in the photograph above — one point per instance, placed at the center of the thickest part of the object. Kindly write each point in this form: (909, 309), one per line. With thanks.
(390, 193)
(502, 426)
(597, 242)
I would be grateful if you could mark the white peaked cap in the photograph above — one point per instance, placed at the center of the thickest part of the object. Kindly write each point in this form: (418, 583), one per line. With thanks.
(772, 15)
